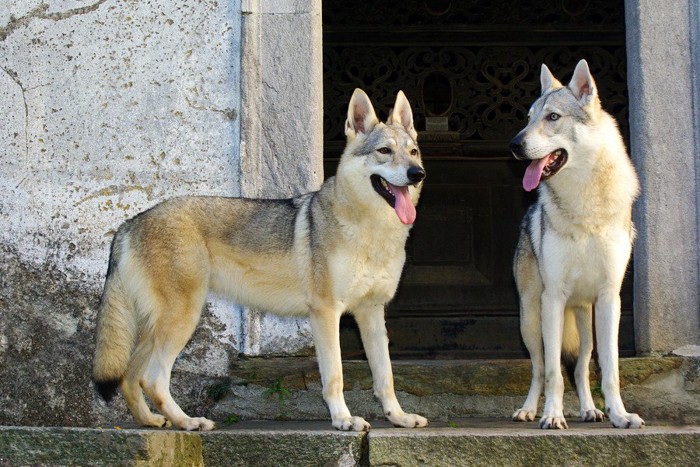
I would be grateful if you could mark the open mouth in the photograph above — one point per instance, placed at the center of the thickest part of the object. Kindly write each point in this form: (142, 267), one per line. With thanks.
(381, 186)
(542, 169)
(555, 161)
(397, 197)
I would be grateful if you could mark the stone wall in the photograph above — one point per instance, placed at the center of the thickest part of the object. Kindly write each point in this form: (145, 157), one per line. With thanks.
(109, 107)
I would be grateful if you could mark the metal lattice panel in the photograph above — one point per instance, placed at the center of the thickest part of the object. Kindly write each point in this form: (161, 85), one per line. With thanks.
(487, 68)
(553, 14)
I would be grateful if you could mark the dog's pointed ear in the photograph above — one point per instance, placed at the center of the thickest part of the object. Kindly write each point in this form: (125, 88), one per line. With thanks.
(582, 85)
(403, 115)
(361, 116)
(547, 80)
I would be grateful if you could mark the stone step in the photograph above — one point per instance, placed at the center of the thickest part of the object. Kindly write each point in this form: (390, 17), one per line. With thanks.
(467, 402)
(472, 441)
(662, 388)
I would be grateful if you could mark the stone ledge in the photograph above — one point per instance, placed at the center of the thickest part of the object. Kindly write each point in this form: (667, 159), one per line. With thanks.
(96, 446)
(478, 442)
(461, 442)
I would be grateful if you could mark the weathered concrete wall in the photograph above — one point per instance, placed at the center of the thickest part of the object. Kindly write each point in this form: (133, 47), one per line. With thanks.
(109, 106)
(663, 123)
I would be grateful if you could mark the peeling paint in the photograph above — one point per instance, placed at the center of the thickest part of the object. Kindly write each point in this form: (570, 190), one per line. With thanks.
(116, 190)
(228, 113)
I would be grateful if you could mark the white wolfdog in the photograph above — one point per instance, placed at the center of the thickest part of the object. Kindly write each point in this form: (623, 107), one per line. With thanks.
(574, 246)
(320, 254)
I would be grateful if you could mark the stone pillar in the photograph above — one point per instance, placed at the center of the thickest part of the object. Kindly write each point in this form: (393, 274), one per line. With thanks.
(695, 77)
(281, 132)
(663, 83)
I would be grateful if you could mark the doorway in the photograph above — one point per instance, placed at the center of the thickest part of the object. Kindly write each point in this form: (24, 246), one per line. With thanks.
(470, 70)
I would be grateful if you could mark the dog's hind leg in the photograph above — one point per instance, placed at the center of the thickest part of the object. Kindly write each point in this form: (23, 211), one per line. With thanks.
(325, 326)
(173, 330)
(607, 323)
(584, 323)
(131, 387)
(370, 320)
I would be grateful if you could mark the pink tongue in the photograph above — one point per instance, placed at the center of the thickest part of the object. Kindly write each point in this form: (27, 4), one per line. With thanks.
(533, 173)
(404, 207)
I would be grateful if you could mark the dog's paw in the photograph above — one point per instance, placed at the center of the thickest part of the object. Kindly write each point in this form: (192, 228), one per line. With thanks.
(553, 423)
(197, 424)
(592, 415)
(351, 424)
(407, 420)
(523, 415)
(157, 421)
(626, 420)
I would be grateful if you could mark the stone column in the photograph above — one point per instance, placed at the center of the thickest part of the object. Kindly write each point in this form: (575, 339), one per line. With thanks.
(695, 77)
(663, 83)
(281, 132)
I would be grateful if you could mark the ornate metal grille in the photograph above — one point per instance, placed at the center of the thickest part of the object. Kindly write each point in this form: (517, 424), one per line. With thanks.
(551, 14)
(477, 62)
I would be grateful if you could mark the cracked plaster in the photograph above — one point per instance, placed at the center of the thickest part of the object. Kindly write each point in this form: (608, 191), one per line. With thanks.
(109, 108)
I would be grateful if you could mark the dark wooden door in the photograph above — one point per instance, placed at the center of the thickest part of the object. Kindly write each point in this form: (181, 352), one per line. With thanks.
(470, 70)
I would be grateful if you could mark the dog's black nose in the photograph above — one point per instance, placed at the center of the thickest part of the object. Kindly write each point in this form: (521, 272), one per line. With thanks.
(517, 146)
(517, 149)
(415, 174)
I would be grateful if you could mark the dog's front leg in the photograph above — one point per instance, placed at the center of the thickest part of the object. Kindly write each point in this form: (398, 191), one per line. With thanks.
(531, 331)
(325, 326)
(370, 320)
(607, 323)
(553, 304)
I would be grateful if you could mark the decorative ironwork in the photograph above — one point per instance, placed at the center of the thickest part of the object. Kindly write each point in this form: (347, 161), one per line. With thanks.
(484, 86)
(492, 86)
(552, 14)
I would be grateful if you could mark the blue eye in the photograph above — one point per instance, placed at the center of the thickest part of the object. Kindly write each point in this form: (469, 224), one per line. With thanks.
(553, 117)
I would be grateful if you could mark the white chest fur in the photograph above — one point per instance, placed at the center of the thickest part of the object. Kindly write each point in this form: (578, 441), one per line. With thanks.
(587, 265)
(368, 266)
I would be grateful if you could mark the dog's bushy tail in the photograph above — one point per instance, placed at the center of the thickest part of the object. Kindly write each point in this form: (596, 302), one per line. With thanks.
(570, 345)
(117, 330)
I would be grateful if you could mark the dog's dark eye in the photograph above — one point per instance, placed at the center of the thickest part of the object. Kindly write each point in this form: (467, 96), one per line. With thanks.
(384, 150)
(553, 116)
